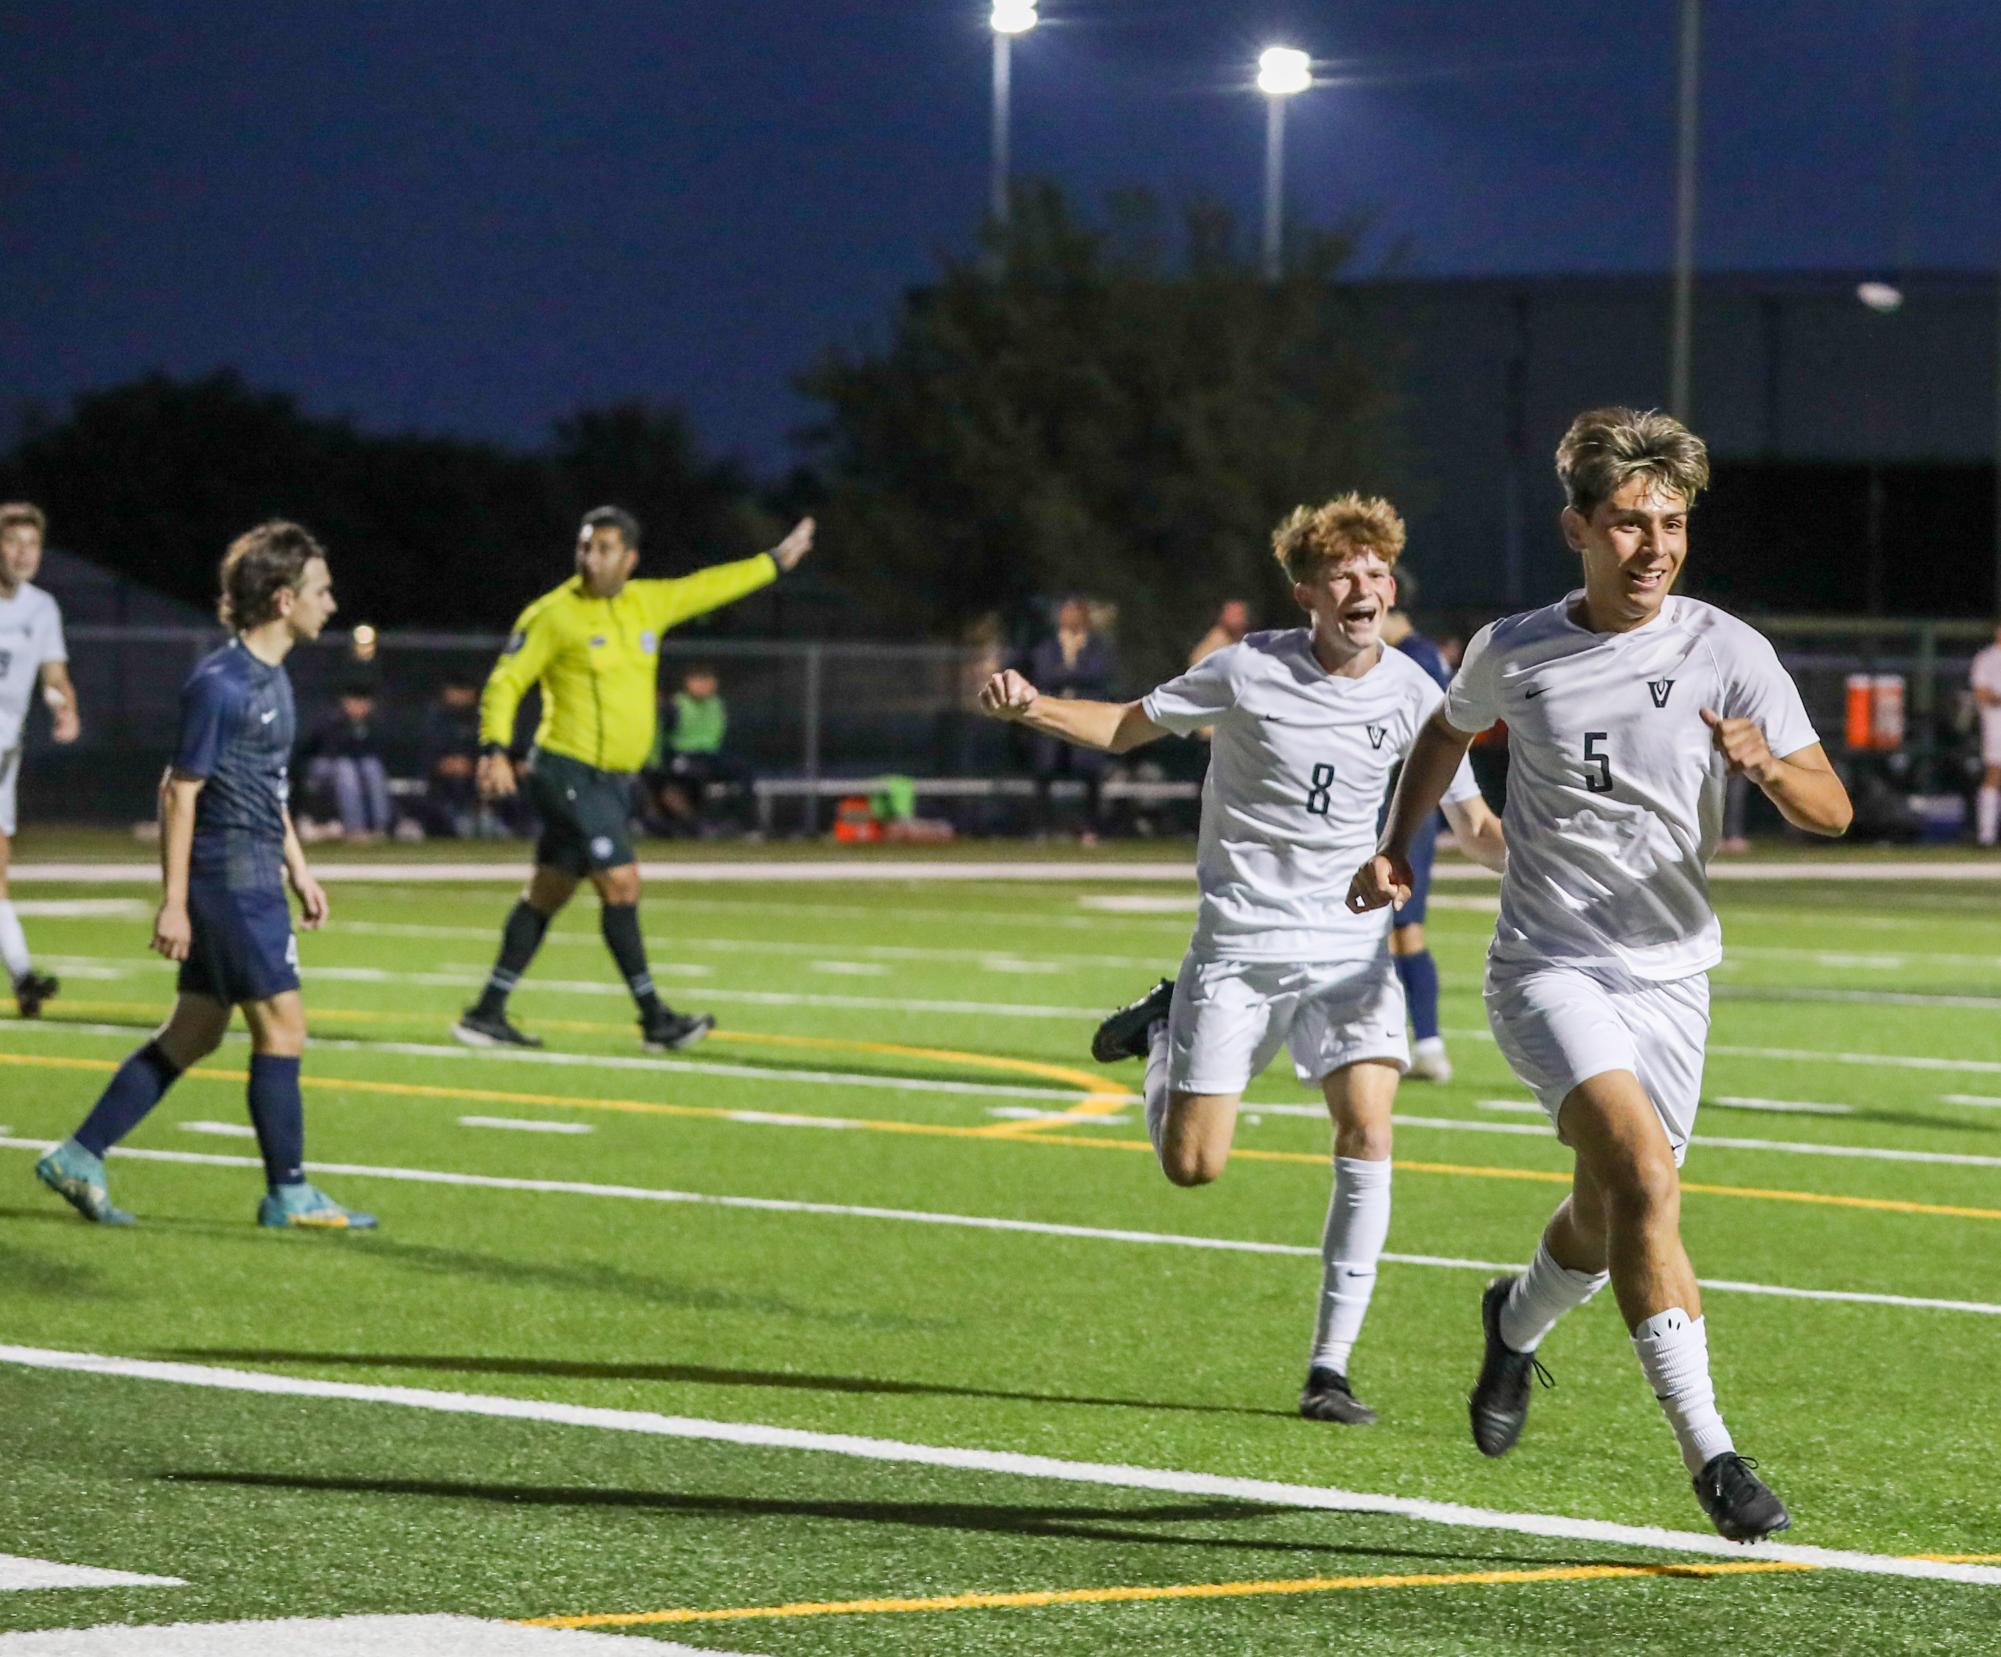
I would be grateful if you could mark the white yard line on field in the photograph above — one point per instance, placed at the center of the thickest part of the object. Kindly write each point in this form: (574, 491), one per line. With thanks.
(1004, 1463)
(525, 1124)
(969, 1222)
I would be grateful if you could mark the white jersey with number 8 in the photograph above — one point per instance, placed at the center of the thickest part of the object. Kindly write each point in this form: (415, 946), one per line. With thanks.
(1615, 788)
(1300, 763)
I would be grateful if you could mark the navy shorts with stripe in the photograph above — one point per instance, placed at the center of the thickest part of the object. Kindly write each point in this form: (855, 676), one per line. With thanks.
(243, 945)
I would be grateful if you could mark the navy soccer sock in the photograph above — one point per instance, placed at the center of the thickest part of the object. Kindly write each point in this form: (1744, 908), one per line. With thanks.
(279, 1116)
(620, 922)
(140, 1083)
(519, 939)
(1419, 974)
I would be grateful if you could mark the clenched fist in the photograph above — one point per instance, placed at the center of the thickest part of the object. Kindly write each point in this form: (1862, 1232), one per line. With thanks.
(1007, 695)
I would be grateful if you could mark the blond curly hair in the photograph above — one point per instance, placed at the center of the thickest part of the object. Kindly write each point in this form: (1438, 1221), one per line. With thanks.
(1343, 528)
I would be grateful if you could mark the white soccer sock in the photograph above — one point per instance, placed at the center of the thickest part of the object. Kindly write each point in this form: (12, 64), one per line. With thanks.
(13, 943)
(1358, 1223)
(1987, 814)
(1541, 1295)
(1674, 1352)
(1155, 1091)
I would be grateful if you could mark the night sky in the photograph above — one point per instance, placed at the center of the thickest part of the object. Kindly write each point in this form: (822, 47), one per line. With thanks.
(473, 217)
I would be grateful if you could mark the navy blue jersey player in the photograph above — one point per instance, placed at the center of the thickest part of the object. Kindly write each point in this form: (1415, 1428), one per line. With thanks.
(227, 854)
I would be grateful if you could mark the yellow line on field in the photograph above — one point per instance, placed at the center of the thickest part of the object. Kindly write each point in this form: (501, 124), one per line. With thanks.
(1086, 1082)
(1182, 1590)
(943, 1130)
(1958, 1558)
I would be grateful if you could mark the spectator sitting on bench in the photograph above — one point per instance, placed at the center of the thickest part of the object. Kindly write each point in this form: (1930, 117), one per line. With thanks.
(688, 759)
(344, 768)
(451, 806)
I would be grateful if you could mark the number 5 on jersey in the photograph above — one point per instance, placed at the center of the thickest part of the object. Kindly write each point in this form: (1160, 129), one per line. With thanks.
(1602, 782)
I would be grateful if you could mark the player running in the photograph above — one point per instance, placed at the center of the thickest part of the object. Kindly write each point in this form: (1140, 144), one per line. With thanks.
(1309, 723)
(1626, 709)
(593, 646)
(32, 656)
(227, 853)
(1985, 678)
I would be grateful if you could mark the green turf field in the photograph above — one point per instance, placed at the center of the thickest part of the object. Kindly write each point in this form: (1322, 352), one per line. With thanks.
(763, 1387)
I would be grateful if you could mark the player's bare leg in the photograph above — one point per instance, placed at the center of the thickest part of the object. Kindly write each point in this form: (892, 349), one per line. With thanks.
(1360, 1098)
(660, 1027)
(1194, 1133)
(1987, 806)
(485, 1023)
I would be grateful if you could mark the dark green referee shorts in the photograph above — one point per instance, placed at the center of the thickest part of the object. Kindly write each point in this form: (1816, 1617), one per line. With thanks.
(585, 813)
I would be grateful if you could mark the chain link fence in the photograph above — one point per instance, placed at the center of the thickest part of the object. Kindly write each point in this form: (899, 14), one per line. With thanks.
(808, 717)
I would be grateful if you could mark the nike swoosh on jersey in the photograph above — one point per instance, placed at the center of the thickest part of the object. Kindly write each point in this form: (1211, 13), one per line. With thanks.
(1533, 692)
(266, 718)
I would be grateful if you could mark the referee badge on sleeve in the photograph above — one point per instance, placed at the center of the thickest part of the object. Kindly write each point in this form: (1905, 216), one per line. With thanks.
(514, 643)
(649, 642)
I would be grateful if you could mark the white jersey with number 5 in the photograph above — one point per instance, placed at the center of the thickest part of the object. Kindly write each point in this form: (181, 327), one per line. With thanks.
(1300, 761)
(1615, 788)
(31, 633)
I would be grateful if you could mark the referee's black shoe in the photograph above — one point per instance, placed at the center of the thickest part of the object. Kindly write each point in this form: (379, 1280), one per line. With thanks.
(31, 989)
(1738, 1502)
(478, 1029)
(1123, 1034)
(1499, 1401)
(668, 1031)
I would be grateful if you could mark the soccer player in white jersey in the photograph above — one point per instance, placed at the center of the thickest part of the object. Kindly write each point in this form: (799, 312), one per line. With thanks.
(1626, 707)
(1308, 724)
(32, 658)
(1986, 679)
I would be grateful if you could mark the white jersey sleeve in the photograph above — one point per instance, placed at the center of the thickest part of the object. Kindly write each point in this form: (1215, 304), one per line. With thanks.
(1462, 786)
(1197, 698)
(49, 635)
(1986, 672)
(1755, 685)
(1473, 703)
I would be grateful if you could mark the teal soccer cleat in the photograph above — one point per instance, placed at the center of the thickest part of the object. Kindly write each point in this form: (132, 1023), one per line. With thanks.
(78, 1178)
(310, 1209)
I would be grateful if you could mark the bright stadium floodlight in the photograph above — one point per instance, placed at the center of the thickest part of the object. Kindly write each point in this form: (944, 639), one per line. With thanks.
(1010, 18)
(1283, 71)
(1881, 296)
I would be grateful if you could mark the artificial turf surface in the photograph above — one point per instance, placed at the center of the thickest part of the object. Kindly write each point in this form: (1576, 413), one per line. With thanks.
(1877, 1423)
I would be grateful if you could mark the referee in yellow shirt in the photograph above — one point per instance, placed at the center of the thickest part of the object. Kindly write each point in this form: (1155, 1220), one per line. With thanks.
(593, 645)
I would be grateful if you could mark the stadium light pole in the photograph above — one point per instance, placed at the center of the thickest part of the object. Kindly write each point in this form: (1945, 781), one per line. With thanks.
(1283, 72)
(1683, 325)
(1009, 18)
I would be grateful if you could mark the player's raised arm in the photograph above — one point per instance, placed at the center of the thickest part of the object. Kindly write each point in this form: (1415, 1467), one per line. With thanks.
(1110, 727)
(1803, 785)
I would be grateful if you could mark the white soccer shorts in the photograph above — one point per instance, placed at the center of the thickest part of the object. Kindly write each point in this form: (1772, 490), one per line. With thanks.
(1229, 1019)
(1558, 1026)
(10, 775)
(1990, 736)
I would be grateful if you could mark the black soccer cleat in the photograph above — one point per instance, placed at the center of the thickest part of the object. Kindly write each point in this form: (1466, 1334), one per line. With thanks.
(669, 1031)
(478, 1029)
(1738, 1502)
(1123, 1035)
(1327, 1397)
(1499, 1401)
(31, 989)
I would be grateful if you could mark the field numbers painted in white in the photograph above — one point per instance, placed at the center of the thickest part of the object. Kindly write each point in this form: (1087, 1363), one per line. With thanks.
(19, 1575)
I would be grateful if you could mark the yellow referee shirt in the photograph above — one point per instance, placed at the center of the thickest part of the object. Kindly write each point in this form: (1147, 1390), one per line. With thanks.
(598, 661)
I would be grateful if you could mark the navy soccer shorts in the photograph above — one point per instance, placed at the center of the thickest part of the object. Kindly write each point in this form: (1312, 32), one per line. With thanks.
(243, 944)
